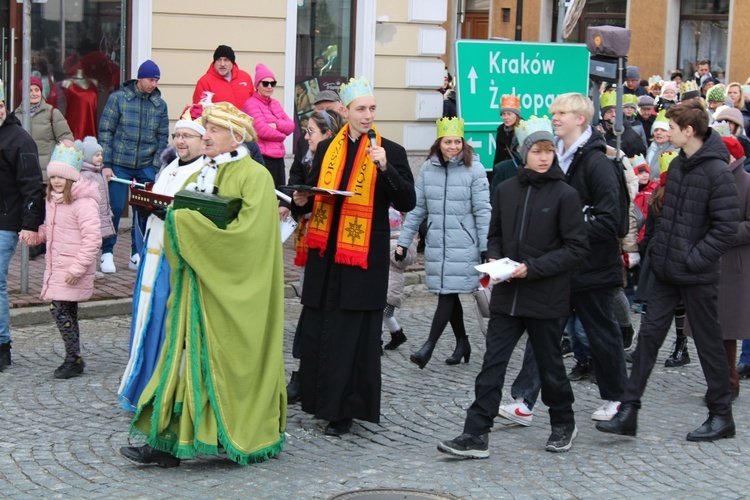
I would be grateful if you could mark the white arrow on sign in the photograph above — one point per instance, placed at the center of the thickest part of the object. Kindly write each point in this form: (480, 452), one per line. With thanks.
(474, 144)
(473, 78)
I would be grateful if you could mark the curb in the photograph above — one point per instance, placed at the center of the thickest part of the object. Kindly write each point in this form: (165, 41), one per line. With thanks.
(36, 315)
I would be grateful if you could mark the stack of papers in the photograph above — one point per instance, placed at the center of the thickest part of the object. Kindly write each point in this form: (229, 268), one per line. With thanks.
(498, 271)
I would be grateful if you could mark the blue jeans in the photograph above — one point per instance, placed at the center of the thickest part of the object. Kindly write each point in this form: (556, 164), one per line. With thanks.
(118, 194)
(745, 355)
(8, 242)
(579, 343)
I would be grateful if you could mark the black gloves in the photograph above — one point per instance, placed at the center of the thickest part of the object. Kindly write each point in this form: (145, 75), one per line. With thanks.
(400, 253)
(483, 257)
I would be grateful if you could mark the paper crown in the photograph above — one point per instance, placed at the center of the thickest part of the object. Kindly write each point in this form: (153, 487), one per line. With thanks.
(450, 127)
(745, 90)
(355, 88)
(2, 91)
(226, 115)
(688, 86)
(65, 162)
(630, 100)
(661, 116)
(608, 100)
(722, 128)
(510, 101)
(638, 160)
(654, 79)
(529, 127)
(665, 159)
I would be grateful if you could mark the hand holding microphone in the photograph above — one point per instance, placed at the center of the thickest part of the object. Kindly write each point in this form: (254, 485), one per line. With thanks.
(377, 153)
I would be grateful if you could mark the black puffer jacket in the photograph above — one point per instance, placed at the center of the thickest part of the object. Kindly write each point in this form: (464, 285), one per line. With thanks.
(700, 216)
(504, 145)
(631, 144)
(21, 188)
(536, 219)
(593, 175)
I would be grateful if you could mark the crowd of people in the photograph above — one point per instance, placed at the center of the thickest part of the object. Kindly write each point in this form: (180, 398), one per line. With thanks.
(554, 207)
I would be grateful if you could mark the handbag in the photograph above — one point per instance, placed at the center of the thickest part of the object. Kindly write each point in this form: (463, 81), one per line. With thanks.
(482, 298)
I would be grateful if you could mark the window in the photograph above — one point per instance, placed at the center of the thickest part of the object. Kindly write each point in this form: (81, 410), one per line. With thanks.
(78, 53)
(324, 51)
(595, 13)
(704, 30)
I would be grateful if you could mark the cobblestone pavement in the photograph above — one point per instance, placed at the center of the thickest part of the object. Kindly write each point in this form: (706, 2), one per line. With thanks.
(61, 438)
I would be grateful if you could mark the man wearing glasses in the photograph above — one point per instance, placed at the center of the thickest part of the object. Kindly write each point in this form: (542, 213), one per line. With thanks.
(132, 132)
(152, 285)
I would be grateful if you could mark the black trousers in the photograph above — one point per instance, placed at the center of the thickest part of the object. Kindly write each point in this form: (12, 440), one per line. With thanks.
(700, 303)
(277, 167)
(595, 309)
(503, 334)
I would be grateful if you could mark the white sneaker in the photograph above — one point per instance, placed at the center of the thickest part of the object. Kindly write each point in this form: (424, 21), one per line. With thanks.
(107, 263)
(517, 412)
(135, 260)
(606, 411)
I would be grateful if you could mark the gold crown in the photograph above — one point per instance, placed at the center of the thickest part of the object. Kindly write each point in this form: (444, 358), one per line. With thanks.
(510, 101)
(665, 159)
(226, 115)
(450, 127)
(355, 88)
(608, 99)
(688, 86)
(630, 100)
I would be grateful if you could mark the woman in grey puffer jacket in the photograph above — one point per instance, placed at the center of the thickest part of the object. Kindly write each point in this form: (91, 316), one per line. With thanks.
(453, 195)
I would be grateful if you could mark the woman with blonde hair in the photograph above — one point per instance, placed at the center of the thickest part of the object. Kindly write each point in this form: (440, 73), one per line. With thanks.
(734, 90)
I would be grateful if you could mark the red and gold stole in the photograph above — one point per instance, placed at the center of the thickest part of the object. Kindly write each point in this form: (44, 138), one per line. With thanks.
(355, 223)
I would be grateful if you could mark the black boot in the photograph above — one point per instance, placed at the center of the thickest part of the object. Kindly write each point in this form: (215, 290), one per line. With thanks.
(147, 455)
(714, 428)
(624, 423)
(72, 367)
(422, 356)
(680, 354)
(581, 370)
(627, 337)
(293, 394)
(4, 356)
(397, 338)
(463, 350)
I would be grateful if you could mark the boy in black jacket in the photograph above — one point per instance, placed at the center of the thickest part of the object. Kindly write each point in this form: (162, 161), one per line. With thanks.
(698, 223)
(537, 221)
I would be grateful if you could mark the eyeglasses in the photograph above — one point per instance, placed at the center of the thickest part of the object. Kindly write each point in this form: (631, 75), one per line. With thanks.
(184, 136)
(310, 131)
(268, 84)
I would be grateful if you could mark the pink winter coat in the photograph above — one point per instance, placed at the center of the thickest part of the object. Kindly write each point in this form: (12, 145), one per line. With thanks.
(73, 235)
(265, 111)
(94, 175)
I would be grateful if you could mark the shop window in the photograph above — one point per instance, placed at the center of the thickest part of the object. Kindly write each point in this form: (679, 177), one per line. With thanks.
(704, 33)
(78, 53)
(325, 50)
(595, 13)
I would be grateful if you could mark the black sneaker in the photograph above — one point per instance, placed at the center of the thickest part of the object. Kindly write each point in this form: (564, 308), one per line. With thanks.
(565, 347)
(466, 446)
(71, 368)
(743, 370)
(581, 370)
(562, 438)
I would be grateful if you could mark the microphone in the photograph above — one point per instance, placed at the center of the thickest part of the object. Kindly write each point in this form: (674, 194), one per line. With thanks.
(373, 142)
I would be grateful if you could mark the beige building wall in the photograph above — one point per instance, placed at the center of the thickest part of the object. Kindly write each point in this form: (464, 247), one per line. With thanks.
(739, 58)
(530, 24)
(648, 36)
(185, 34)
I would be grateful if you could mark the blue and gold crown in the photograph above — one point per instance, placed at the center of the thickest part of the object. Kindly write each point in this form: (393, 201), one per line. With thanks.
(355, 88)
(71, 157)
(450, 127)
(654, 79)
(722, 128)
(638, 160)
(536, 127)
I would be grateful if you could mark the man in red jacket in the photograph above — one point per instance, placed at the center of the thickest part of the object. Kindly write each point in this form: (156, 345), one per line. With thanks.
(225, 80)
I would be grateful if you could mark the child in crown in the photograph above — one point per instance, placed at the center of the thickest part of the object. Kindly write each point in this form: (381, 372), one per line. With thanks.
(72, 230)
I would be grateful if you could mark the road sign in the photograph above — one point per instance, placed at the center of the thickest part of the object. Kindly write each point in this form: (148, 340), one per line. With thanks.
(536, 72)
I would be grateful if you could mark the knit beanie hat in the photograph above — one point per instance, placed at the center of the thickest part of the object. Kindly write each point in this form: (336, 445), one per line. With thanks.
(715, 94)
(65, 162)
(669, 85)
(734, 147)
(733, 115)
(633, 73)
(149, 69)
(34, 80)
(90, 147)
(224, 51)
(261, 72)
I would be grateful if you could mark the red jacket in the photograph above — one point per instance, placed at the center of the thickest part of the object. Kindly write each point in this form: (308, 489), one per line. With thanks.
(236, 91)
(641, 201)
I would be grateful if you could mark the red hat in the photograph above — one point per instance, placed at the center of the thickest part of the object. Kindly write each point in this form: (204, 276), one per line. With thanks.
(35, 80)
(734, 147)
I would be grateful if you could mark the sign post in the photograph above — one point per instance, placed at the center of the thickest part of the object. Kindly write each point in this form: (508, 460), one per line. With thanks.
(536, 72)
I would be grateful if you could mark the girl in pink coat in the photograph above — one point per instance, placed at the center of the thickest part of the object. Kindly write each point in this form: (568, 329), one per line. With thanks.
(271, 123)
(72, 230)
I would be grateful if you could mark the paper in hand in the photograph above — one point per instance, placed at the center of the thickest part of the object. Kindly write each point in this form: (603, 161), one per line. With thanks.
(287, 228)
(498, 271)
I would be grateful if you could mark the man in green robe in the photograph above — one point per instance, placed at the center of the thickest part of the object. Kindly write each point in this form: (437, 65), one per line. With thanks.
(219, 382)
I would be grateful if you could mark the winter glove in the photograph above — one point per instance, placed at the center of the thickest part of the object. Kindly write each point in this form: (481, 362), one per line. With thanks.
(400, 253)
(483, 256)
